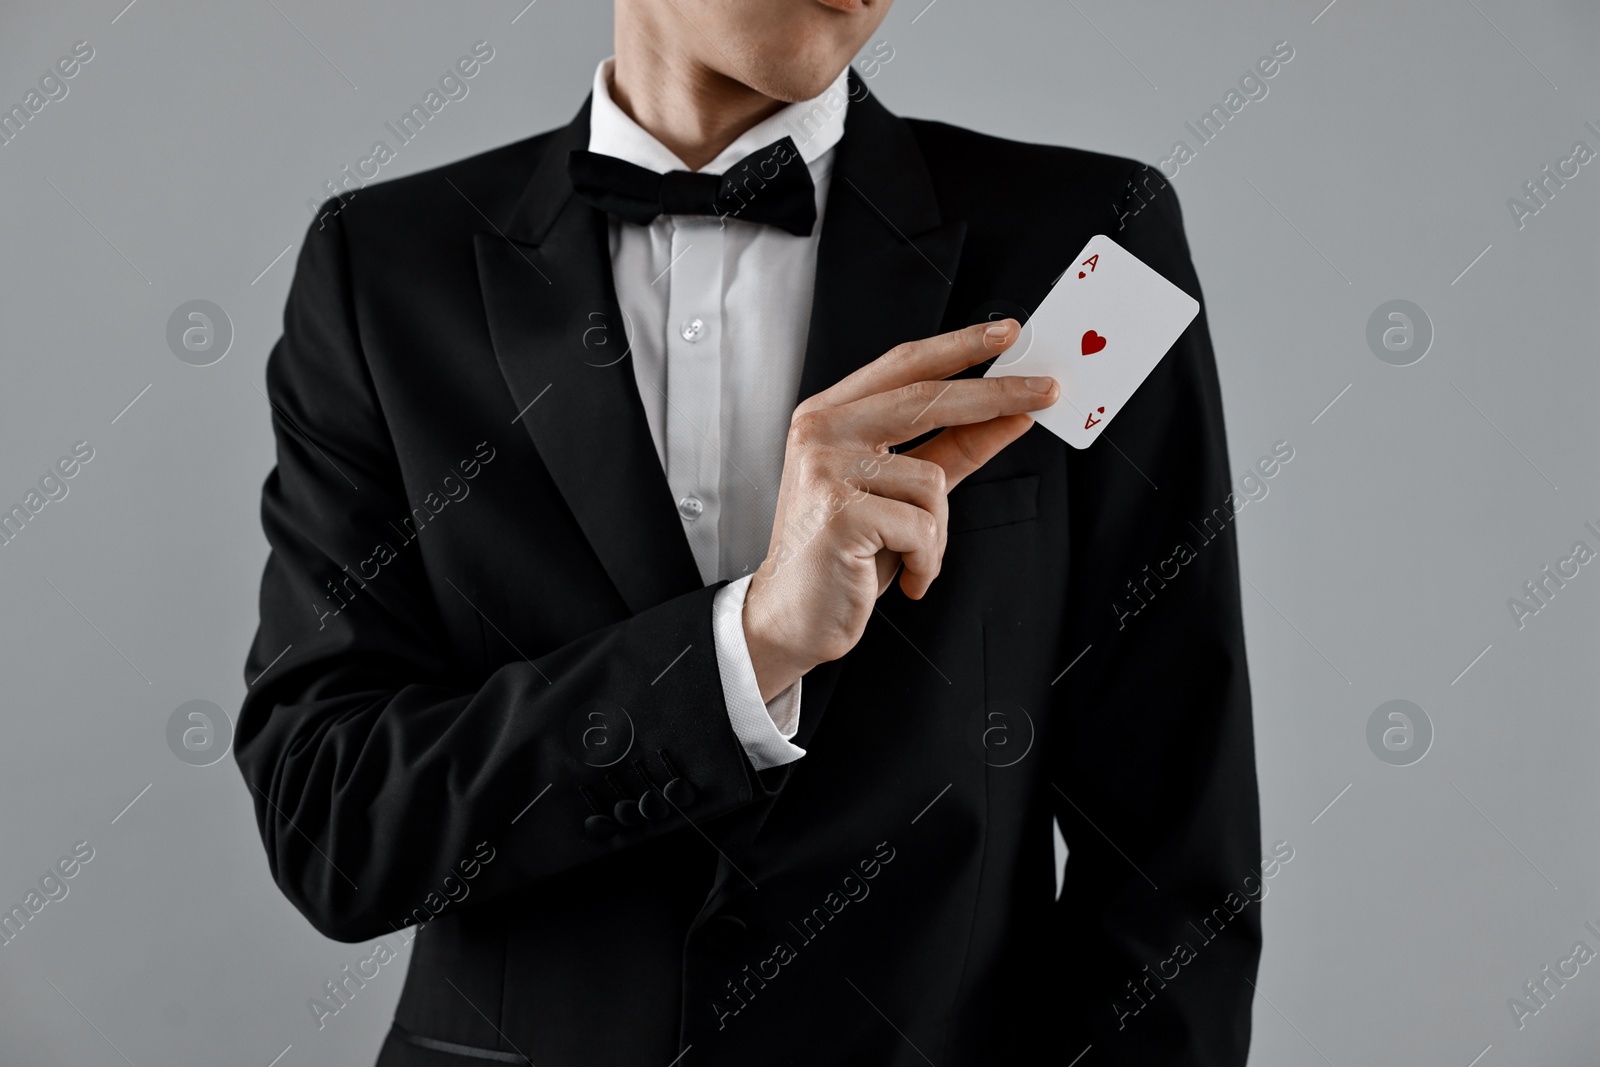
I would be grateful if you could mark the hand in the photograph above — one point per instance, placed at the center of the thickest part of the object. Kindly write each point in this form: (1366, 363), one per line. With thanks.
(850, 511)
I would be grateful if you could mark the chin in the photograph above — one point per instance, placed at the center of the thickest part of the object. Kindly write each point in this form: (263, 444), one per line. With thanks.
(784, 71)
(792, 50)
(791, 84)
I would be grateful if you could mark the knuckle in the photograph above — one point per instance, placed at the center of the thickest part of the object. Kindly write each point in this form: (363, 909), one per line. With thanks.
(920, 394)
(963, 443)
(807, 427)
(815, 467)
(901, 352)
(871, 464)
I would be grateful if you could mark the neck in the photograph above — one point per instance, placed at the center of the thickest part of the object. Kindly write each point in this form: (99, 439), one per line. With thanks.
(693, 110)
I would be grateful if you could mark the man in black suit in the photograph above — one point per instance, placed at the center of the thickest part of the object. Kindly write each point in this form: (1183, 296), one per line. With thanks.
(666, 617)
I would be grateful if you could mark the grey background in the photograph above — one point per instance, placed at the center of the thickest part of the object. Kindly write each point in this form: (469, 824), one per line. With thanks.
(1378, 167)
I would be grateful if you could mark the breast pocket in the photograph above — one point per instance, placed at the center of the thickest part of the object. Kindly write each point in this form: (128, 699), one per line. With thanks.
(979, 505)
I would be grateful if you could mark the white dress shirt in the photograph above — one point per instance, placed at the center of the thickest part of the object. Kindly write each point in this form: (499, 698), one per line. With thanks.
(717, 313)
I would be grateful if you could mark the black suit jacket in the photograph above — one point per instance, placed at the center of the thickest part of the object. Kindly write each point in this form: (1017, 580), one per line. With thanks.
(482, 628)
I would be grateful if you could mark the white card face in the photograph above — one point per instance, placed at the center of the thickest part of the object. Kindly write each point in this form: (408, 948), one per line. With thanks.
(1099, 332)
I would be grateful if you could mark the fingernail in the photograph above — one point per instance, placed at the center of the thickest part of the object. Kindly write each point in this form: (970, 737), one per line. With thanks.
(1039, 385)
(996, 334)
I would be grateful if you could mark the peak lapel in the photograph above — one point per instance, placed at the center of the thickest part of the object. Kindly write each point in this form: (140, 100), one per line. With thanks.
(561, 343)
(886, 260)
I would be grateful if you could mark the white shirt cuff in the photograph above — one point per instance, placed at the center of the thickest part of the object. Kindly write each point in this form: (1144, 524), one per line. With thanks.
(763, 729)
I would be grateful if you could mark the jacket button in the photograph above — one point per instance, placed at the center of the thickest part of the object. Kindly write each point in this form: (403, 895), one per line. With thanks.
(679, 791)
(626, 812)
(725, 933)
(653, 806)
(601, 827)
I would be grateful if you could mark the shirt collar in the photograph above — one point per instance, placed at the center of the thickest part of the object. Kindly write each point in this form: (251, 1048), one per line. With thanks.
(815, 125)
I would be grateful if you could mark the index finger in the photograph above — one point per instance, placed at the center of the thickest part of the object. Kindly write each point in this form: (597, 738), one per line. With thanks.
(929, 359)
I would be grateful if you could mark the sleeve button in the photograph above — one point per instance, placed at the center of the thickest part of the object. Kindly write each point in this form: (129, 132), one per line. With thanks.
(601, 827)
(679, 792)
(653, 806)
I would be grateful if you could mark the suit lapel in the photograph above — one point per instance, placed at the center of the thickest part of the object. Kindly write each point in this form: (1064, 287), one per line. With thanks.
(886, 259)
(885, 266)
(559, 338)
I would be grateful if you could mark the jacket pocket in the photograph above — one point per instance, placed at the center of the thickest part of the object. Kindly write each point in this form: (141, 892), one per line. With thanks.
(978, 505)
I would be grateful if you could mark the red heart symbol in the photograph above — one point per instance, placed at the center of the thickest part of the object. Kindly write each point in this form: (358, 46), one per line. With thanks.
(1080, 274)
(1092, 343)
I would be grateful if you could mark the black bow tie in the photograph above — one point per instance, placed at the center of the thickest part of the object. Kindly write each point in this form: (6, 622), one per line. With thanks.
(771, 185)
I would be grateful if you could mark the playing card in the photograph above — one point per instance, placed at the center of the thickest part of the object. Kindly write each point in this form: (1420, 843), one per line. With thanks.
(1099, 332)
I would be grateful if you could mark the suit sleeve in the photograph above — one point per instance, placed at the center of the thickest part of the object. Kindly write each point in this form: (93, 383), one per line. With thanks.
(1154, 771)
(381, 777)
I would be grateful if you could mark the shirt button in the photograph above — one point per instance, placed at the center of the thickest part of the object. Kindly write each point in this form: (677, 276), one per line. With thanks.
(690, 508)
(692, 331)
